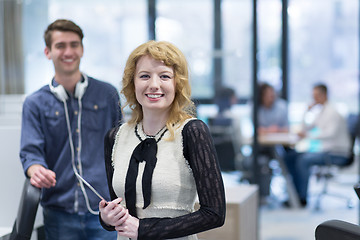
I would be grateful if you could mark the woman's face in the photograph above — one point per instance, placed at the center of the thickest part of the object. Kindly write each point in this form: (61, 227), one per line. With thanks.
(154, 85)
(269, 97)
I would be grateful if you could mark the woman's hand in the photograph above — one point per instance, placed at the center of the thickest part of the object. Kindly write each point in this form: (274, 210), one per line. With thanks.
(129, 228)
(112, 213)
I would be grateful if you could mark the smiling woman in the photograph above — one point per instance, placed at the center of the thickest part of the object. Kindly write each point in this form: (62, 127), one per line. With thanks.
(169, 59)
(154, 88)
(161, 141)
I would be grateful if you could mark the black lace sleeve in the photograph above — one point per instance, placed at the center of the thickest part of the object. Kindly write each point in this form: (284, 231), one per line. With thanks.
(108, 146)
(200, 152)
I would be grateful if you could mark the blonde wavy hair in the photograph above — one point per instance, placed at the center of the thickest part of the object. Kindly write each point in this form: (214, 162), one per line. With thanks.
(182, 107)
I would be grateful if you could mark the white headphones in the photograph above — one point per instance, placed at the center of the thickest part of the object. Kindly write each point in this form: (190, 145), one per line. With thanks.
(60, 92)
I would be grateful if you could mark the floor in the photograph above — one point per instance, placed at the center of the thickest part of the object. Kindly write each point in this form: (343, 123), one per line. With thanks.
(280, 223)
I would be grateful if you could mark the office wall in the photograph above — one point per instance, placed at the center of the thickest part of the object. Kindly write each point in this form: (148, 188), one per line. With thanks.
(11, 173)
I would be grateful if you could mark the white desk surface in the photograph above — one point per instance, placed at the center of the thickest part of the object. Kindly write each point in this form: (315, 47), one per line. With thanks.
(286, 139)
(235, 191)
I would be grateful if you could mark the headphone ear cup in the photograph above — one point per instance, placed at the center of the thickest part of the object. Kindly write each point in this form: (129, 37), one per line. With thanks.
(59, 92)
(80, 88)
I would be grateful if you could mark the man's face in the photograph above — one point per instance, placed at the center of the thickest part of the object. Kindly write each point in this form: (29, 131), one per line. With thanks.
(319, 97)
(65, 52)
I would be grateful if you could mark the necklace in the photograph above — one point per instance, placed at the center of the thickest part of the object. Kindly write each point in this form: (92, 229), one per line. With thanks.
(158, 136)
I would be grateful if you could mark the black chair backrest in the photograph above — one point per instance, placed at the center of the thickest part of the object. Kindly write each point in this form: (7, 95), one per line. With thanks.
(220, 121)
(29, 202)
(337, 230)
(353, 123)
(222, 133)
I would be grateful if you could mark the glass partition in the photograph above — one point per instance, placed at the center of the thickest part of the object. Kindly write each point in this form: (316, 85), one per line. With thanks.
(112, 29)
(269, 42)
(324, 47)
(237, 46)
(189, 25)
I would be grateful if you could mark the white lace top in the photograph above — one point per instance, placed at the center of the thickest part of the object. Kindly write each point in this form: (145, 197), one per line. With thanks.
(186, 167)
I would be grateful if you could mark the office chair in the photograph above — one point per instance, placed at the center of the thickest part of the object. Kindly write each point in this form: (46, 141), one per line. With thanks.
(24, 222)
(325, 173)
(336, 230)
(223, 136)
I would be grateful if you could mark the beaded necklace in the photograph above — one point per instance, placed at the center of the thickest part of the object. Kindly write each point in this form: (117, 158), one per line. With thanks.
(160, 133)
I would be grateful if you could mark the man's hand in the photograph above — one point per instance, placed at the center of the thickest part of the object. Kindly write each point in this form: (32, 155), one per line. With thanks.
(41, 177)
(302, 134)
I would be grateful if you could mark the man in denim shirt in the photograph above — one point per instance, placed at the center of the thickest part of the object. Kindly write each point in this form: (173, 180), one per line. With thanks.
(63, 129)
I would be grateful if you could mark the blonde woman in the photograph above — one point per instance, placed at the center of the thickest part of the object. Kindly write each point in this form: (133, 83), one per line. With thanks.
(163, 157)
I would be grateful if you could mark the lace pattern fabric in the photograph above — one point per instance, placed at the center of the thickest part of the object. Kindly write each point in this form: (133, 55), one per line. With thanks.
(198, 150)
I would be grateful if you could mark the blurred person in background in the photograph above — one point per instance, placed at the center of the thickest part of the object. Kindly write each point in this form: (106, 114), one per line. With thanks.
(225, 100)
(272, 112)
(225, 129)
(272, 118)
(328, 138)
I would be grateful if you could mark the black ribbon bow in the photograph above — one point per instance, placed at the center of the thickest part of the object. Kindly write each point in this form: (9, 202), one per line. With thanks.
(145, 151)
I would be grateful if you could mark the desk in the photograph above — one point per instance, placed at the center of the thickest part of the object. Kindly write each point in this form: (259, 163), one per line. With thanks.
(284, 139)
(241, 221)
(278, 141)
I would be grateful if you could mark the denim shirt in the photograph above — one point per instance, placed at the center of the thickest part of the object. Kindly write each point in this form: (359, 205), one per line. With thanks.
(45, 141)
(276, 115)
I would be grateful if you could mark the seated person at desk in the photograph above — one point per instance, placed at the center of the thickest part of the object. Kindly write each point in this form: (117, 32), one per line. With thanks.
(225, 128)
(329, 135)
(272, 118)
(272, 113)
(225, 100)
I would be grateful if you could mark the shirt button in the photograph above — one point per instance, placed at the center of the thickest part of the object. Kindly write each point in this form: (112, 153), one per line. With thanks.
(78, 184)
(96, 107)
(57, 113)
(76, 112)
(77, 149)
(77, 130)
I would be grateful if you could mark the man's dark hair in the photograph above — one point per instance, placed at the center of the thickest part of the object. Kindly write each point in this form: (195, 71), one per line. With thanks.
(224, 98)
(62, 25)
(321, 87)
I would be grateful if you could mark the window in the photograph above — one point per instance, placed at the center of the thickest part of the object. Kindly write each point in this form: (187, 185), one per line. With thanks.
(324, 46)
(189, 25)
(269, 39)
(112, 29)
(237, 46)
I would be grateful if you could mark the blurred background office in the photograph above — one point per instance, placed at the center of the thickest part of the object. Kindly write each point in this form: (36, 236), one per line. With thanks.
(290, 44)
